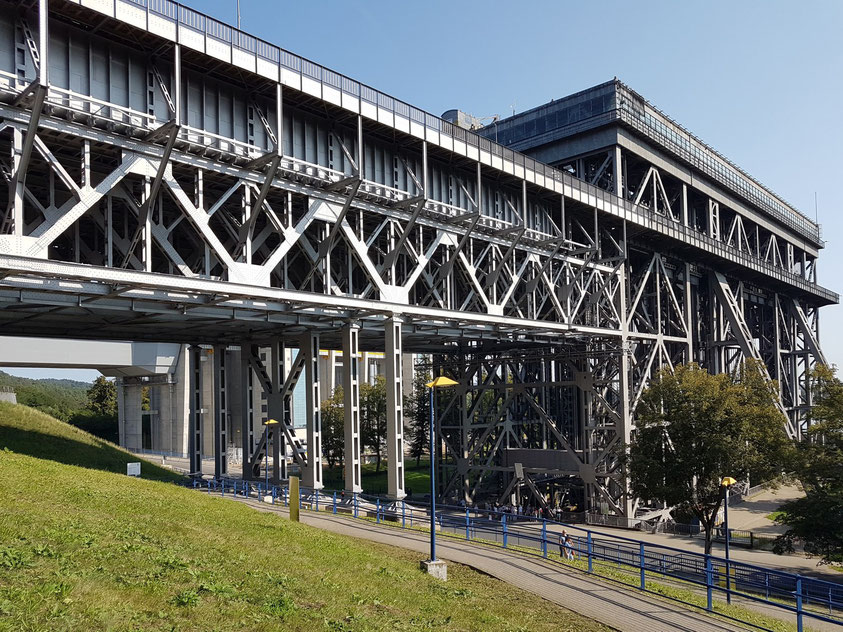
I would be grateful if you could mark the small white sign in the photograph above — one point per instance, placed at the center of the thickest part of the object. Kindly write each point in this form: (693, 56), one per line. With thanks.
(133, 469)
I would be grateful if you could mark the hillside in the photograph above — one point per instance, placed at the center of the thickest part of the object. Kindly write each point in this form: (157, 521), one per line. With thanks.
(60, 398)
(24, 430)
(83, 548)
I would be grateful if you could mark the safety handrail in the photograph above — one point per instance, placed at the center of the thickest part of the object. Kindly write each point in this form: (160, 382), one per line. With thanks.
(789, 592)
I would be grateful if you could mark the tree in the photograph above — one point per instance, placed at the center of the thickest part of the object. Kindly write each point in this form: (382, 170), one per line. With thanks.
(333, 428)
(694, 428)
(102, 397)
(817, 519)
(418, 410)
(373, 417)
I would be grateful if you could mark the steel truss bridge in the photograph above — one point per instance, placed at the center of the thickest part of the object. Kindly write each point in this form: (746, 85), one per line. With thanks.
(171, 178)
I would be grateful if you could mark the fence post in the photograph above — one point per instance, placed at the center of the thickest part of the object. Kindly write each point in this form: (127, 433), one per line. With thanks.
(356, 505)
(222, 493)
(503, 524)
(286, 500)
(708, 582)
(798, 603)
(590, 551)
(316, 492)
(335, 502)
(274, 494)
(467, 525)
(641, 564)
(544, 537)
(403, 514)
(378, 510)
(299, 495)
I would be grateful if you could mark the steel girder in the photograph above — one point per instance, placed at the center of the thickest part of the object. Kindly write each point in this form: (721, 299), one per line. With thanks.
(244, 244)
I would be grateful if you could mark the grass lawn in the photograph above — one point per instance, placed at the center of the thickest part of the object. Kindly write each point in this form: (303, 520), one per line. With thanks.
(416, 478)
(85, 548)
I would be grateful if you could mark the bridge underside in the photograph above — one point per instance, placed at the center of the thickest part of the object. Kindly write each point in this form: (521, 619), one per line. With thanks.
(172, 206)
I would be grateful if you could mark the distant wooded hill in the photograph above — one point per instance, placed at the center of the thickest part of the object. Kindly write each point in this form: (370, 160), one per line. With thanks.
(60, 398)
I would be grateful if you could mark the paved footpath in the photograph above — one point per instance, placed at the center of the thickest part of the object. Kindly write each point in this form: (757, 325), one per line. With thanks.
(613, 605)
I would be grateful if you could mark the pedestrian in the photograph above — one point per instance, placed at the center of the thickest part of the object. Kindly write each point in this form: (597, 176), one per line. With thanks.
(570, 554)
(562, 543)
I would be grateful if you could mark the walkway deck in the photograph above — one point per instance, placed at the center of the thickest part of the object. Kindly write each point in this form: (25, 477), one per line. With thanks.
(613, 605)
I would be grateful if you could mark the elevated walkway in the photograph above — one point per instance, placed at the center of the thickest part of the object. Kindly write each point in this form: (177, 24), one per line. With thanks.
(114, 359)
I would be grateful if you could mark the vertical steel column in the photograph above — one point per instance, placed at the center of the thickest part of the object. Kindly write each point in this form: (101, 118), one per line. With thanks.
(16, 195)
(394, 409)
(247, 418)
(351, 409)
(279, 120)
(220, 412)
(275, 410)
(43, 42)
(617, 175)
(195, 419)
(176, 87)
(689, 319)
(313, 417)
(624, 431)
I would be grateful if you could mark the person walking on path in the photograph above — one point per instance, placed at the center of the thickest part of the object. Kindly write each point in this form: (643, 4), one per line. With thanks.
(562, 543)
(570, 554)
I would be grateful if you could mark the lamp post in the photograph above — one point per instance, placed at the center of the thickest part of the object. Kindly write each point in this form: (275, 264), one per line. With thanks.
(439, 382)
(726, 483)
(266, 425)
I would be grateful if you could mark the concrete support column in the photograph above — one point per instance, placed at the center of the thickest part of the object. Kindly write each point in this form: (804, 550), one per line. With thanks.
(351, 406)
(195, 419)
(275, 410)
(121, 412)
(313, 415)
(394, 409)
(220, 413)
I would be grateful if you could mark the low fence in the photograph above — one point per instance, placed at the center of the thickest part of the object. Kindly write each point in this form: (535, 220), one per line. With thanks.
(737, 537)
(800, 596)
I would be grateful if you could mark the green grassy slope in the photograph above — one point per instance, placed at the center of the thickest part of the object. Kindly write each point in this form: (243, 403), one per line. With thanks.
(25, 430)
(82, 548)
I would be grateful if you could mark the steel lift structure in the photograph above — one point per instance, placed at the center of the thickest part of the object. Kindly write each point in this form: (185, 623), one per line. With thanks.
(173, 179)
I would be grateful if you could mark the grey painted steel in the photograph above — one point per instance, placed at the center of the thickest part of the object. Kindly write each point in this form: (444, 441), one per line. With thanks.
(327, 209)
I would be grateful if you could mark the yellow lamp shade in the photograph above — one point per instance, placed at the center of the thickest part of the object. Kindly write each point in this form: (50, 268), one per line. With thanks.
(441, 381)
(271, 422)
(728, 481)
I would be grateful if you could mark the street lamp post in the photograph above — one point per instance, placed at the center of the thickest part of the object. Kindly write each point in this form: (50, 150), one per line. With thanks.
(266, 425)
(726, 483)
(433, 566)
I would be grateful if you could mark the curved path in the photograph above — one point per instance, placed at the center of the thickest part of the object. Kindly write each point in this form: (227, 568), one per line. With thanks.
(613, 605)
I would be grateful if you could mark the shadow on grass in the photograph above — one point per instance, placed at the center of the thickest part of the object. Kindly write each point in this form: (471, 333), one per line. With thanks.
(99, 456)
(416, 478)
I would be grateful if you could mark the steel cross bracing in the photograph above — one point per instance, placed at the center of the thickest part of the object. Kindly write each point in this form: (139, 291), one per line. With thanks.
(331, 230)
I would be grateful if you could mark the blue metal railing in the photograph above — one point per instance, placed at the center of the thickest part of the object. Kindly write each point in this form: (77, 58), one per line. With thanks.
(797, 595)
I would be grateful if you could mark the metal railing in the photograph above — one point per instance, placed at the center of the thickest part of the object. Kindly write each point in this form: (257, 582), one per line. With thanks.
(616, 558)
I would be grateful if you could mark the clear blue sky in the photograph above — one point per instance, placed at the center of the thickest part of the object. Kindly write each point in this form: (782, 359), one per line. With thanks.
(762, 82)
